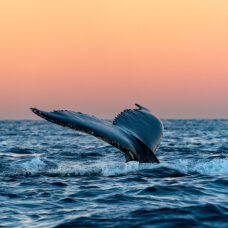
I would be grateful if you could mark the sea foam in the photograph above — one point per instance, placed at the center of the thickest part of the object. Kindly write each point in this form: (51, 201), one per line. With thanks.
(217, 166)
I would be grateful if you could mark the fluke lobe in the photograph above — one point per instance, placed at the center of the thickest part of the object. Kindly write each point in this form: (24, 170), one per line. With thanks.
(136, 132)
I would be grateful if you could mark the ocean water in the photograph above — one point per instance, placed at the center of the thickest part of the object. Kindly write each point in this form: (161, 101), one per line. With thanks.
(51, 176)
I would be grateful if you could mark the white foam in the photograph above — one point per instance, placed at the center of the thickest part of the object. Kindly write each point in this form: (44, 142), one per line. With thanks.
(36, 164)
(101, 169)
(133, 166)
(217, 166)
(74, 170)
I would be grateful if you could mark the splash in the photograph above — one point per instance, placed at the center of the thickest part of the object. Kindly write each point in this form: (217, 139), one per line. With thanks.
(212, 167)
(217, 166)
(36, 164)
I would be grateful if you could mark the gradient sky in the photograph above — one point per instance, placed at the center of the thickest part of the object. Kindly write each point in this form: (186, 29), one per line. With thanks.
(102, 56)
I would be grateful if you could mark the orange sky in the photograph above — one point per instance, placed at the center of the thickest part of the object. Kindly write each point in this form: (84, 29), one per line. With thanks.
(102, 56)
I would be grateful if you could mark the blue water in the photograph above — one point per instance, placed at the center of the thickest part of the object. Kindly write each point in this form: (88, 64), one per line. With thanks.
(55, 177)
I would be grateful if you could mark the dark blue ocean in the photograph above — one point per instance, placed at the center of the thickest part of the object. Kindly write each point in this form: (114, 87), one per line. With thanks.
(51, 176)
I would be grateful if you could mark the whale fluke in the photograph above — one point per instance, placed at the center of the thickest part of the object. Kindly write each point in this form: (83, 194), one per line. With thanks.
(136, 132)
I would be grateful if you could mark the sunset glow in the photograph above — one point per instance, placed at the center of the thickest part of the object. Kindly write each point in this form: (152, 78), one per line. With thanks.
(100, 57)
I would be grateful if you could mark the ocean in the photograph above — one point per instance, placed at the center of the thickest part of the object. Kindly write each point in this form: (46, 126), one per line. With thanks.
(55, 177)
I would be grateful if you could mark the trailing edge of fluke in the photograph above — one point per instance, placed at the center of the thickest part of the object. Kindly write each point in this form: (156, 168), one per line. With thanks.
(136, 132)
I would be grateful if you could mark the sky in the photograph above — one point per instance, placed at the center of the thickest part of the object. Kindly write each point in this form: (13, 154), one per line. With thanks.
(100, 57)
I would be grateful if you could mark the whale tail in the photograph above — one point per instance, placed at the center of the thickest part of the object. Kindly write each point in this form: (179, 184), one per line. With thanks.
(136, 132)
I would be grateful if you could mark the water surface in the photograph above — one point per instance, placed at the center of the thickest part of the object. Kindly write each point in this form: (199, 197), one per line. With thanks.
(55, 177)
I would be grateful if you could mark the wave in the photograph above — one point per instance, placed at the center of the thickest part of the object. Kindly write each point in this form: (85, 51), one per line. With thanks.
(38, 165)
